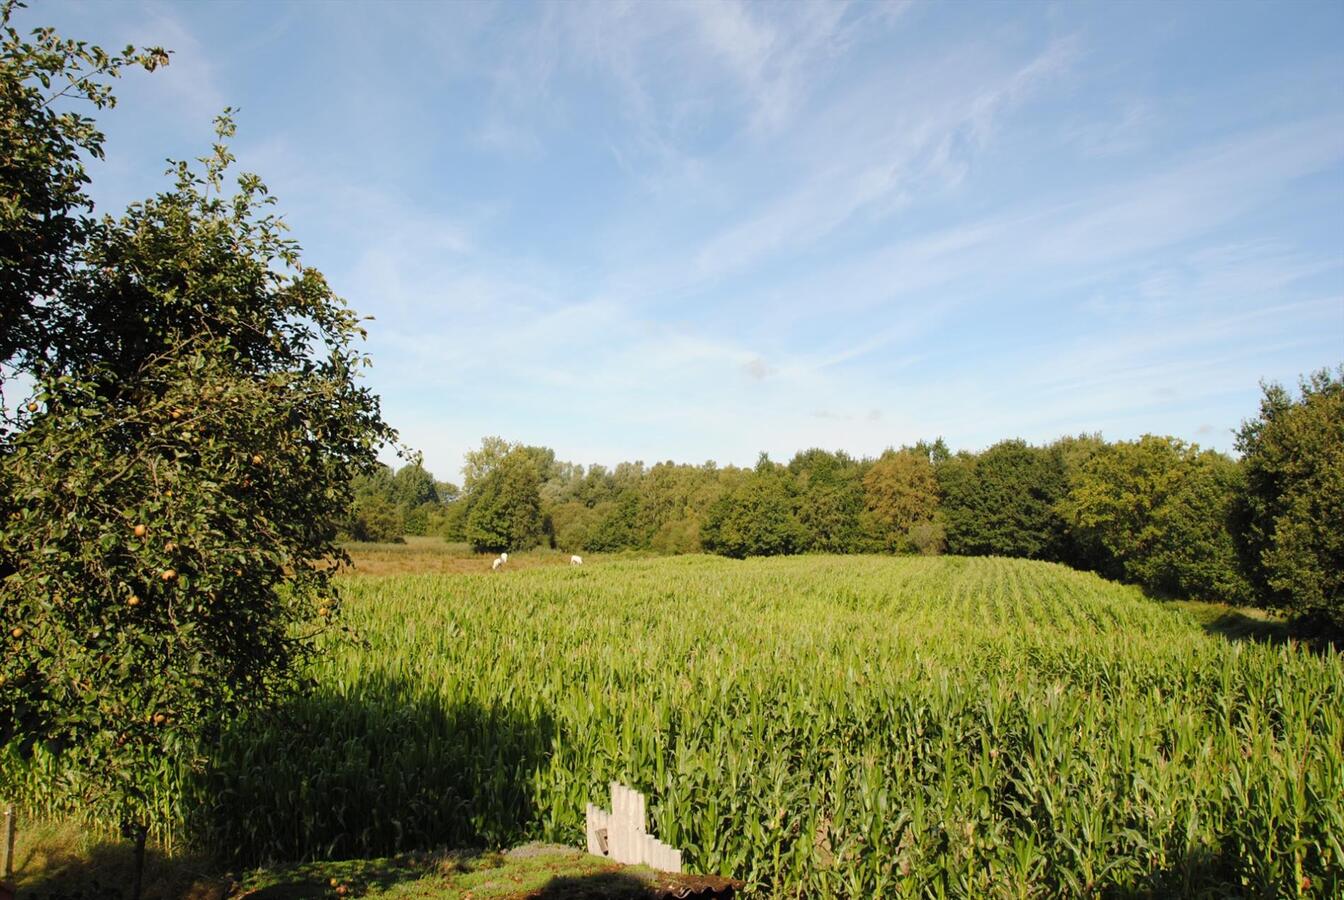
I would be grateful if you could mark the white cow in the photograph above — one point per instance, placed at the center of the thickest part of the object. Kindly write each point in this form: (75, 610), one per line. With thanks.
(494, 566)
(504, 557)
(576, 560)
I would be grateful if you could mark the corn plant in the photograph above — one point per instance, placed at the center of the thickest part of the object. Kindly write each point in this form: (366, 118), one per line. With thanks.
(816, 726)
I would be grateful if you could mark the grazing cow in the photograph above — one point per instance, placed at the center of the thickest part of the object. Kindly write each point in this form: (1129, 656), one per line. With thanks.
(494, 566)
(576, 560)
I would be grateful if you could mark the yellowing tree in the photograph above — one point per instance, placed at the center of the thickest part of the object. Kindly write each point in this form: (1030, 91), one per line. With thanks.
(901, 503)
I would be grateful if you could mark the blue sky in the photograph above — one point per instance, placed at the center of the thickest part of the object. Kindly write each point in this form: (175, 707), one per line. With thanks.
(699, 231)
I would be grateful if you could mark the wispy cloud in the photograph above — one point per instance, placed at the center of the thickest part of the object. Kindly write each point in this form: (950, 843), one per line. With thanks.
(634, 230)
(1207, 188)
(875, 160)
(1117, 129)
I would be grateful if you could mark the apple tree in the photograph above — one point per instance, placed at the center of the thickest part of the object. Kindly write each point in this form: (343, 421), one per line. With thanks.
(46, 82)
(169, 490)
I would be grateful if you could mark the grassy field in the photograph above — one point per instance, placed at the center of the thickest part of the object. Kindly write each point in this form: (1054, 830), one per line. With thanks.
(64, 862)
(432, 556)
(816, 726)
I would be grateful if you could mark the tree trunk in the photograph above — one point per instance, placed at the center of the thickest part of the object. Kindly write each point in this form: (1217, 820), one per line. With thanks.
(138, 833)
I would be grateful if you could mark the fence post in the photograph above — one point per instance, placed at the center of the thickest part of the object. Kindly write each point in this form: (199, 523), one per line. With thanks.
(8, 870)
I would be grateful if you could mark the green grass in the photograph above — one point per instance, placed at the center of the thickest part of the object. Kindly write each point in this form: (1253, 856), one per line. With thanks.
(62, 861)
(419, 555)
(1236, 624)
(817, 726)
(544, 871)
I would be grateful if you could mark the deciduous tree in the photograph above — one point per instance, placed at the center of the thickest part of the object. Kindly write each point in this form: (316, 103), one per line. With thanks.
(829, 500)
(1158, 510)
(1291, 522)
(1002, 502)
(412, 486)
(46, 84)
(505, 512)
(167, 491)
(755, 517)
(901, 502)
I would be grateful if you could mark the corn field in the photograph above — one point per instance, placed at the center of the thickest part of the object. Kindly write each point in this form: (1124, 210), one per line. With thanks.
(816, 726)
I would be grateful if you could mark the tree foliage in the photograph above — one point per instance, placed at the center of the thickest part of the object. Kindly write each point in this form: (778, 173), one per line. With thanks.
(829, 505)
(481, 461)
(901, 502)
(755, 517)
(1154, 512)
(1291, 517)
(44, 139)
(391, 504)
(412, 486)
(1002, 502)
(376, 520)
(505, 512)
(168, 491)
(670, 503)
(1158, 510)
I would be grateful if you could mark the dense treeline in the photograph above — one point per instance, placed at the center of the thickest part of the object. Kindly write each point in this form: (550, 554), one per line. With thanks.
(1158, 512)
(388, 505)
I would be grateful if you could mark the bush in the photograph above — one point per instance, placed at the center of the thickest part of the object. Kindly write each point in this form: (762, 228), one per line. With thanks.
(375, 520)
(927, 538)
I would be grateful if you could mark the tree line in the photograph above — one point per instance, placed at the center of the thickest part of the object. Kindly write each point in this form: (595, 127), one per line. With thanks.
(1266, 527)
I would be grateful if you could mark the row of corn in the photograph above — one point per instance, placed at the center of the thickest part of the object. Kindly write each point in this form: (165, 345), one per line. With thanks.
(815, 726)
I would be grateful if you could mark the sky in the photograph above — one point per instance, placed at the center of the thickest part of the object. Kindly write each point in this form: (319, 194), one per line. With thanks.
(700, 231)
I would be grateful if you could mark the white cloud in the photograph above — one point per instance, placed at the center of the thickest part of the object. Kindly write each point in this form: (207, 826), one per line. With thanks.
(879, 151)
(811, 235)
(688, 390)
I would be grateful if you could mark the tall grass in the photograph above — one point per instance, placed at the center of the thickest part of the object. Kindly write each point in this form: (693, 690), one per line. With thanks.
(817, 726)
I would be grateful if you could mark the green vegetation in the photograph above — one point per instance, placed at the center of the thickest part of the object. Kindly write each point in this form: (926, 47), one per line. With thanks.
(63, 862)
(507, 512)
(755, 517)
(167, 488)
(819, 726)
(1292, 515)
(389, 505)
(193, 434)
(44, 221)
(901, 503)
(1003, 502)
(1157, 512)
